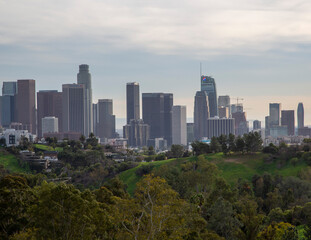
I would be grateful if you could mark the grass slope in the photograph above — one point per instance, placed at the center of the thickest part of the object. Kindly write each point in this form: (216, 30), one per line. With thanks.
(10, 162)
(232, 167)
(47, 148)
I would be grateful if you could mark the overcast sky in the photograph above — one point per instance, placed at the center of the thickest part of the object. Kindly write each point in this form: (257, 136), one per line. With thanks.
(259, 50)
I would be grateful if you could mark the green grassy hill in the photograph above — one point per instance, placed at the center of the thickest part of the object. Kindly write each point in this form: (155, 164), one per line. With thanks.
(47, 148)
(10, 162)
(232, 167)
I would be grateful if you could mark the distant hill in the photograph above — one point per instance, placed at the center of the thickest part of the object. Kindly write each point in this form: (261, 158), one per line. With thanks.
(232, 167)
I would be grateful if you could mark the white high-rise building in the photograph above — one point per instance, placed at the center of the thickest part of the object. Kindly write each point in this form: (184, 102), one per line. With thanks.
(84, 77)
(179, 125)
(49, 125)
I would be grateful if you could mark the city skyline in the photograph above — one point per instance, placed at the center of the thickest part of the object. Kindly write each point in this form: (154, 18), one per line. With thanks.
(256, 50)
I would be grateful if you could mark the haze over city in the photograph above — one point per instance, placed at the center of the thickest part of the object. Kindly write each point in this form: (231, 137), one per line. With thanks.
(257, 50)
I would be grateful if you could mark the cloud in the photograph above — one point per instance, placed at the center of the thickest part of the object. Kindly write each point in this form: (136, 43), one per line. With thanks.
(197, 28)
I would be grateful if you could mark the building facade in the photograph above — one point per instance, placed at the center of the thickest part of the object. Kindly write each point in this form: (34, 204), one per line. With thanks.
(73, 108)
(49, 125)
(137, 133)
(132, 101)
(217, 127)
(25, 104)
(300, 116)
(256, 125)
(157, 113)
(84, 77)
(49, 104)
(208, 85)
(224, 101)
(106, 127)
(201, 114)
(179, 125)
(288, 119)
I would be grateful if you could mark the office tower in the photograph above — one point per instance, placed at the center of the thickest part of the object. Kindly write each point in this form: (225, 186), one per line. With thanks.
(73, 108)
(137, 133)
(190, 133)
(25, 104)
(216, 127)
(274, 114)
(288, 119)
(208, 85)
(201, 114)
(267, 127)
(95, 118)
(278, 131)
(106, 127)
(157, 113)
(84, 77)
(179, 125)
(9, 90)
(305, 131)
(236, 108)
(256, 125)
(49, 104)
(132, 101)
(241, 124)
(223, 112)
(224, 101)
(300, 115)
(49, 125)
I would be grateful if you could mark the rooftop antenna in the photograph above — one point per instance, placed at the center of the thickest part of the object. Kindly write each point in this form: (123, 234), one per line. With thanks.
(200, 69)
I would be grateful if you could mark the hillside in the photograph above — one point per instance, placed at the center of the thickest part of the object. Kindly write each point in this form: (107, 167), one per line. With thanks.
(10, 162)
(232, 167)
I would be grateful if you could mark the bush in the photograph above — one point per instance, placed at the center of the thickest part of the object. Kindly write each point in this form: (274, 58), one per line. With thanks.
(143, 170)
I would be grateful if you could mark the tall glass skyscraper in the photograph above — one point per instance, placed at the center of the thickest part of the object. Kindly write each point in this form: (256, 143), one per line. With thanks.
(84, 77)
(208, 85)
(201, 114)
(9, 90)
(132, 101)
(300, 115)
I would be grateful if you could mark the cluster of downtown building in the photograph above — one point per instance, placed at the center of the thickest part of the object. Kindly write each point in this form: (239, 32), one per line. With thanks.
(72, 113)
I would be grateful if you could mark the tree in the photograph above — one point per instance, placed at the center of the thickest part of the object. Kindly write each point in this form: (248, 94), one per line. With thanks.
(223, 141)
(231, 143)
(240, 144)
(215, 145)
(151, 150)
(279, 231)
(16, 197)
(200, 148)
(177, 150)
(250, 219)
(156, 212)
(221, 219)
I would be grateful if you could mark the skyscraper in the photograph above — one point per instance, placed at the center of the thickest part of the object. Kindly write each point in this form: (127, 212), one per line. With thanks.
(106, 127)
(84, 77)
(216, 127)
(73, 108)
(95, 118)
(25, 105)
(49, 125)
(201, 114)
(256, 125)
(288, 119)
(208, 85)
(9, 90)
(157, 113)
(179, 126)
(274, 114)
(137, 133)
(241, 124)
(300, 115)
(224, 101)
(49, 104)
(132, 101)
